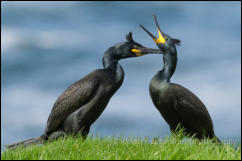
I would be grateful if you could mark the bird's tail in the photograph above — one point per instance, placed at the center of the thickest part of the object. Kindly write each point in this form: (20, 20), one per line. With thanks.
(36, 140)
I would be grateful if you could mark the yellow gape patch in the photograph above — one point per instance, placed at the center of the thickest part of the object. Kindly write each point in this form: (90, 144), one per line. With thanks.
(160, 39)
(137, 52)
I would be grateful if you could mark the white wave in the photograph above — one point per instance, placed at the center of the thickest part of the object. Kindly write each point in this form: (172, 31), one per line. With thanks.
(10, 37)
(25, 106)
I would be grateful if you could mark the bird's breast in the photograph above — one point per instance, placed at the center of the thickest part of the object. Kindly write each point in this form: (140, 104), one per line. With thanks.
(160, 92)
(160, 87)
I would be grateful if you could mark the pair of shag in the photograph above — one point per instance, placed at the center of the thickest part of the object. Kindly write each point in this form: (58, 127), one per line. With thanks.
(80, 105)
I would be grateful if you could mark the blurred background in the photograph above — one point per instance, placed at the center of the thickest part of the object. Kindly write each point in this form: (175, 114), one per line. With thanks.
(47, 46)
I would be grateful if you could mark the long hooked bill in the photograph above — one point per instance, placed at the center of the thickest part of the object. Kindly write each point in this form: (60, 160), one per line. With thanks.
(143, 51)
(161, 39)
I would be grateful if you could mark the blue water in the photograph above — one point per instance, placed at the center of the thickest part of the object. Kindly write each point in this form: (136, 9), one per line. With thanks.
(47, 46)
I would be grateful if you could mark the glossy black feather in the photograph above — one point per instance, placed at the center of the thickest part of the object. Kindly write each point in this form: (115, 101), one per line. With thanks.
(73, 98)
(176, 104)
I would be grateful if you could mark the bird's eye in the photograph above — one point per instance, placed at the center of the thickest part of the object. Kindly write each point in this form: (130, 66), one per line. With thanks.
(136, 46)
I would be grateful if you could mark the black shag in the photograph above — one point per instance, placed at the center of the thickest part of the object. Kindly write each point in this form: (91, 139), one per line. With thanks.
(82, 103)
(179, 107)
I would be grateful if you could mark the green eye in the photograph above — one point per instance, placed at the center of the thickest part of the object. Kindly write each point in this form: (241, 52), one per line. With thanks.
(136, 46)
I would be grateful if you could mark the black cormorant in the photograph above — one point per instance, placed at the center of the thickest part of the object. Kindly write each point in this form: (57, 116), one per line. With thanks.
(82, 103)
(177, 105)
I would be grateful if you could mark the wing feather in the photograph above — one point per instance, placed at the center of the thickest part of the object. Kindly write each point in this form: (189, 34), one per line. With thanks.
(72, 99)
(191, 110)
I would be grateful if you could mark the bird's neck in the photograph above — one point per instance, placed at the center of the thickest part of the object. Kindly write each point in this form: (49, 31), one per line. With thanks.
(110, 63)
(169, 67)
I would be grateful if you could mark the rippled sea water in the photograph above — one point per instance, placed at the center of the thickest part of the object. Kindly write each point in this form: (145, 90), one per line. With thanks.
(47, 46)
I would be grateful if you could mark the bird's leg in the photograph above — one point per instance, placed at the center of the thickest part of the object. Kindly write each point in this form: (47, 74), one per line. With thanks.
(84, 132)
(176, 127)
(55, 135)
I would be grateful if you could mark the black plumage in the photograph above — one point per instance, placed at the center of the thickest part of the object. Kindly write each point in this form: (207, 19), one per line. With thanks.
(177, 105)
(83, 102)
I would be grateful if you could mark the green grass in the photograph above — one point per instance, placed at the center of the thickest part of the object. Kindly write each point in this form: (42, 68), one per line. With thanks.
(172, 147)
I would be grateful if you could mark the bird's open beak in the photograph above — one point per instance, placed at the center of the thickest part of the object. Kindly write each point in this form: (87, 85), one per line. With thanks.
(143, 51)
(158, 40)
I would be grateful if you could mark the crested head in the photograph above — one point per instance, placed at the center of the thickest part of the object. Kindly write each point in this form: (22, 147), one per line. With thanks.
(127, 49)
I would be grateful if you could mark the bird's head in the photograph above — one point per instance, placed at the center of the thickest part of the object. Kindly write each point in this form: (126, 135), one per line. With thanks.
(130, 48)
(164, 42)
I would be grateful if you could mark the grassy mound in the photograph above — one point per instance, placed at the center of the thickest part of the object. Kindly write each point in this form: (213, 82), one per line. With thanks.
(172, 147)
